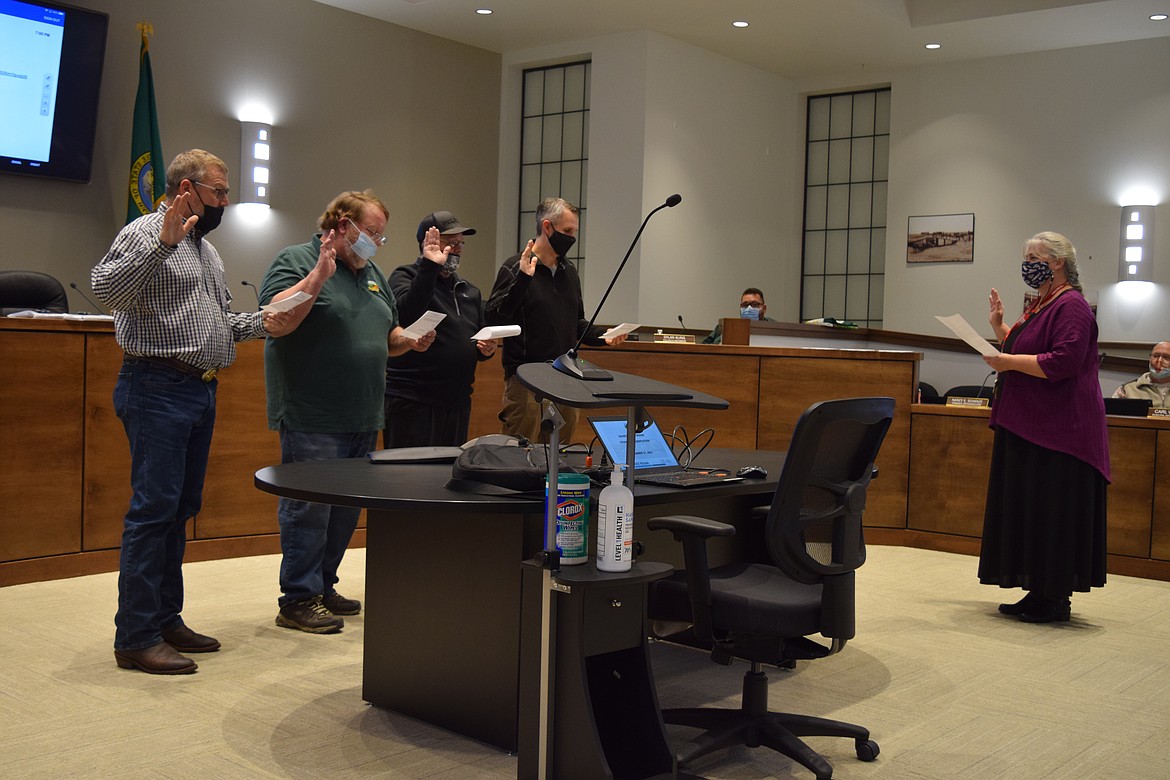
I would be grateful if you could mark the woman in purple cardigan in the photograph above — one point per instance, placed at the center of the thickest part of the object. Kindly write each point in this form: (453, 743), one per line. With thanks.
(1044, 523)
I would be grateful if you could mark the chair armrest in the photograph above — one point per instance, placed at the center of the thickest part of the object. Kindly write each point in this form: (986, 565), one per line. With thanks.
(688, 524)
(694, 532)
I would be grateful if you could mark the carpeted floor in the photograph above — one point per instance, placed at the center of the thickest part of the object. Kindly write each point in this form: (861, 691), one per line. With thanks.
(947, 686)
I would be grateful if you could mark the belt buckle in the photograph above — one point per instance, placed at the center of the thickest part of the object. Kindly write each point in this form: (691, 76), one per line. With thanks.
(209, 374)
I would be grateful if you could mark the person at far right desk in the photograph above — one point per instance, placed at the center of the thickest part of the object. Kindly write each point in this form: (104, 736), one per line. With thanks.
(1044, 521)
(1155, 383)
(751, 307)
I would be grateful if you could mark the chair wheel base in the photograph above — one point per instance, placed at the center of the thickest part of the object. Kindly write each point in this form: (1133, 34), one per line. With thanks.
(867, 750)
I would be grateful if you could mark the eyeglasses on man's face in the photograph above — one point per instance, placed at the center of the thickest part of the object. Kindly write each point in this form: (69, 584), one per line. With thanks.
(220, 193)
(377, 238)
(751, 304)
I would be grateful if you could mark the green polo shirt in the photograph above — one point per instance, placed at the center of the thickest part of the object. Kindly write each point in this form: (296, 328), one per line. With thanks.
(329, 375)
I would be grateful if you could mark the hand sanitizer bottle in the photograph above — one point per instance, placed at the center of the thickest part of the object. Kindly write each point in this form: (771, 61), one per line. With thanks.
(615, 525)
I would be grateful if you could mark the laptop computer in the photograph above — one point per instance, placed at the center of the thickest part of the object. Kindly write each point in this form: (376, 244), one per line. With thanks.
(654, 461)
(1131, 407)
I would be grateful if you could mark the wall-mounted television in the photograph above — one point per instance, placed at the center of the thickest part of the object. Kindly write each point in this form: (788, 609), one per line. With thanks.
(51, 58)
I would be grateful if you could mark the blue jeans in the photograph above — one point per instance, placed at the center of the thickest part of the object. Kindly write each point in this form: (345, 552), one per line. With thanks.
(169, 418)
(313, 537)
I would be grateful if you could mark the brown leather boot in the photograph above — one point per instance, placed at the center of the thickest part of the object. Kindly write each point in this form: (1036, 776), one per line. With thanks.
(156, 659)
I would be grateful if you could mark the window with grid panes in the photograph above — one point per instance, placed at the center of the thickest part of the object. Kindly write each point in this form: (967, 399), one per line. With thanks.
(554, 146)
(847, 152)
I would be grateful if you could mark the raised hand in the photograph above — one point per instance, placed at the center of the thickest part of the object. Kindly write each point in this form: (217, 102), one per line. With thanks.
(995, 313)
(528, 259)
(175, 226)
(432, 247)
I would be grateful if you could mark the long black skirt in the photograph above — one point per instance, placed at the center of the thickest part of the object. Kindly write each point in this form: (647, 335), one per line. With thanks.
(1044, 524)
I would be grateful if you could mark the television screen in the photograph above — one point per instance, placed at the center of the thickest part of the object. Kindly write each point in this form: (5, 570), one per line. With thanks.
(51, 58)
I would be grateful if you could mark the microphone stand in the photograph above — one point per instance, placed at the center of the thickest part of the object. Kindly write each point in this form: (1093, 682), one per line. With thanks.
(254, 292)
(571, 363)
(80, 292)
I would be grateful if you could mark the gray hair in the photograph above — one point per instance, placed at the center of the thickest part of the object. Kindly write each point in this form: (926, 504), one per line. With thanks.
(1058, 247)
(551, 209)
(191, 164)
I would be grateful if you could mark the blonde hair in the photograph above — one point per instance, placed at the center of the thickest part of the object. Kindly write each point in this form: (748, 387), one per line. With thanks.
(350, 205)
(1058, 247)
(191, 164)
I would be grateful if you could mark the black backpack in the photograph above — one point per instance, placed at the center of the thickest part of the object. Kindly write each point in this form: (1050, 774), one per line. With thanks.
(501, 469)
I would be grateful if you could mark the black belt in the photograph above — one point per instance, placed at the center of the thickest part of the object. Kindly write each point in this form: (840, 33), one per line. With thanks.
(178, 365)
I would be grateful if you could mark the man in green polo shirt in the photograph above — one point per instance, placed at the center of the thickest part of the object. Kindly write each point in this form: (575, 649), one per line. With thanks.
(325, 390)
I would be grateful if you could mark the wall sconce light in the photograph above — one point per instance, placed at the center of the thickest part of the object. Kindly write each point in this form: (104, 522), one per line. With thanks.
(255, 162)
(1137, 244)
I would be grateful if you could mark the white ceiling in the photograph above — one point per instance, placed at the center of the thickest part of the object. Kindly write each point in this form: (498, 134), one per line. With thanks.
(796, 39)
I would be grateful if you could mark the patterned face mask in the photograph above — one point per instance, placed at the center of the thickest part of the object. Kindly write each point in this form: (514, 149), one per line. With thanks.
(1035, 274)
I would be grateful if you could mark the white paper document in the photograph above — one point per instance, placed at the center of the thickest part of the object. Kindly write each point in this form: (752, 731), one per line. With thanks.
(291, 302)
(961, 328)
(497, 332)
(423, 325)
(618, 330)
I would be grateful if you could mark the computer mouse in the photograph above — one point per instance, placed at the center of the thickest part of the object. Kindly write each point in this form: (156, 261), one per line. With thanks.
(752, 472)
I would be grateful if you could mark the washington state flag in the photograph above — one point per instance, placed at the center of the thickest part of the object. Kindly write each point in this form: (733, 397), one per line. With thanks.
(146, 188)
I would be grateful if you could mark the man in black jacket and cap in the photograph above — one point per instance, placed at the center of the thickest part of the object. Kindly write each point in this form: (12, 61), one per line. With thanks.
(428, 394)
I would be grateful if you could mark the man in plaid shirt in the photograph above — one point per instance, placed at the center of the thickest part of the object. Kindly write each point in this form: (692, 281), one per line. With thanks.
(165, 284)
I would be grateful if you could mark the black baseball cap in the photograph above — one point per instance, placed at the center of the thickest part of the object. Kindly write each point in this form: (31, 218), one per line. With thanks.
(445, 221)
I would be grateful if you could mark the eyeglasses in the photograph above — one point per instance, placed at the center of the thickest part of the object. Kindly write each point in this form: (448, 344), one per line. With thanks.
(1160, 356)
(377, 238)
(219, 192)
(751, 305)
(454, 243)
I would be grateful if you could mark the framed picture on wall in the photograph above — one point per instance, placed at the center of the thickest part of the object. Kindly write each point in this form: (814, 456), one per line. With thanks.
(941, 238)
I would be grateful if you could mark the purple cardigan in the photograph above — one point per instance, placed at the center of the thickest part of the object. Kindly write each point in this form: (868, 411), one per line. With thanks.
(1065, 411)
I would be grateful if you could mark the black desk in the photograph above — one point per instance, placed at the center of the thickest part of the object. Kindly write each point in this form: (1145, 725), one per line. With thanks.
(443, 579)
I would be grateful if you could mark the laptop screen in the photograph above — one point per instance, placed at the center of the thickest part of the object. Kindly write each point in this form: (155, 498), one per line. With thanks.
(651, 449)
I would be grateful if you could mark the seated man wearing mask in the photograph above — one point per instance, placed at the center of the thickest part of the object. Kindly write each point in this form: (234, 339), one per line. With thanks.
(1155, 383)
(751, 307)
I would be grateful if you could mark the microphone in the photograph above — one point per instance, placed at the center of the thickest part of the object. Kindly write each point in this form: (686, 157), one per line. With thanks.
(83, 295)
(254, 292)
(569, 363)
(984, 385)
(680, 322)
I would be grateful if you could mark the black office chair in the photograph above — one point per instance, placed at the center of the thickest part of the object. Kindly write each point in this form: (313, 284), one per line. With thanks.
(21, 290)
(765, 613)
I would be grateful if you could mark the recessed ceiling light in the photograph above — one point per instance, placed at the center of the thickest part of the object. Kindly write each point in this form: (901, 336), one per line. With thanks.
(484, 11)
(740, 23)
(934, 45)
(1158, 17)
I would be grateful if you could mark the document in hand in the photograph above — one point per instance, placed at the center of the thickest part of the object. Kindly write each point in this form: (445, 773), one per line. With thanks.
(423, 325)
(961, 328)
(291, 302)
(618, 330)
(496, 332)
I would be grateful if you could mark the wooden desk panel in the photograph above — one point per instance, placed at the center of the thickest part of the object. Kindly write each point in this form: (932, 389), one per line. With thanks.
(1160, 527)
(950, 459)
(107, 455)
(949, 463)
(789, 385)
(242, 445)
(1132, 453)
(42, 401)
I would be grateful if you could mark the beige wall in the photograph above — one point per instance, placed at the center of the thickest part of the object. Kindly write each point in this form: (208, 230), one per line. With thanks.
(356, 103)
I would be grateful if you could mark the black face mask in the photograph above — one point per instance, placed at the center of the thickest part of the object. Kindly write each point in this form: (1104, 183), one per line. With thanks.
(561, 242)
(212, 216)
